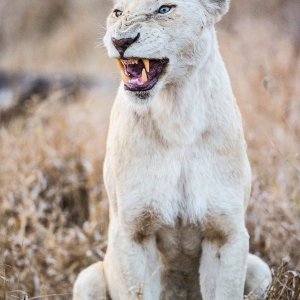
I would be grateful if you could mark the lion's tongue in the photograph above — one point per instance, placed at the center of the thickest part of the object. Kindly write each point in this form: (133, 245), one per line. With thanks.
(135, 70)
(137, 74)
(137, 81)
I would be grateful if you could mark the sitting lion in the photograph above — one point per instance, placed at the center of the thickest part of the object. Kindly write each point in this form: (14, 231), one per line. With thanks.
(176, 169)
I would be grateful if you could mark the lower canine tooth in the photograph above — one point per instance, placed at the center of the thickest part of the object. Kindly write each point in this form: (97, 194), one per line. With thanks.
(144, 76)
(146, 64)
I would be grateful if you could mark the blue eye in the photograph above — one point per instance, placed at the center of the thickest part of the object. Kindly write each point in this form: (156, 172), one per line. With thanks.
(117, 13)
(165, 9)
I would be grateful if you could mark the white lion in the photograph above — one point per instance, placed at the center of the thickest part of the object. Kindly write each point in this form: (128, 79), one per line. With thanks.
(176, 169)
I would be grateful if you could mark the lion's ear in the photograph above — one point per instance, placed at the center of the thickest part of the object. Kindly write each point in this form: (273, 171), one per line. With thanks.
(216, 9)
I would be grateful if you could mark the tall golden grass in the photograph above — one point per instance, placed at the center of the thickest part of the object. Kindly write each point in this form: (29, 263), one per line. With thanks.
(53, 206)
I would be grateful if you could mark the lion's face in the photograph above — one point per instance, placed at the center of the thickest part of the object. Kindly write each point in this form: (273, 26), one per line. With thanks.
(159, 42)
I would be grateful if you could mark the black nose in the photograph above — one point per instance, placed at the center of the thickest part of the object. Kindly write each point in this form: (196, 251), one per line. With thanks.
(122, 44)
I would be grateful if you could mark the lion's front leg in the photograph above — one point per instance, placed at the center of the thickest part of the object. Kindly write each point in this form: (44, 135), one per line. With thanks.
(223, 264)
(132, 267)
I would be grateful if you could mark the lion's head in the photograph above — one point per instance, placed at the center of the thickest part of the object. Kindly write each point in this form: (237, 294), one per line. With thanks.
(159, 42)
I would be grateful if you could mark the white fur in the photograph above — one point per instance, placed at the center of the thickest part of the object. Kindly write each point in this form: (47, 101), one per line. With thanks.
(257, 282)
(179, 156)
(90, 284)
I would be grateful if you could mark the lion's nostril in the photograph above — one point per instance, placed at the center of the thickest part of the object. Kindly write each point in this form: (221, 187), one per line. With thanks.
(122, 44)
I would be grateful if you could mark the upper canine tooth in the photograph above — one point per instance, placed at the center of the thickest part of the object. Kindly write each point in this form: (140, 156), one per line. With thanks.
(146, 64)
(144, 76)
(120, 64)
(125, 77)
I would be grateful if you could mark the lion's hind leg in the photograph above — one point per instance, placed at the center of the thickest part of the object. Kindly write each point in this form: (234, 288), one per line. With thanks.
(258, 276)
(91, 284)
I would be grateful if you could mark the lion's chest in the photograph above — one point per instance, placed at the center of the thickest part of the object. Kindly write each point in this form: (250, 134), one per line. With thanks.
(155, 188)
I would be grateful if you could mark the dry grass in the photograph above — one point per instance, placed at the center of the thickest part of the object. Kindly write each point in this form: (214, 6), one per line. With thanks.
(53, 207)
(52, 219)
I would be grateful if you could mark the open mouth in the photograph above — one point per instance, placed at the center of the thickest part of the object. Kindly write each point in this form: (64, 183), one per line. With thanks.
(141, 74)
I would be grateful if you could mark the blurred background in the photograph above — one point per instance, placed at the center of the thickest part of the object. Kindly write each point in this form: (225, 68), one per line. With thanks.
(56, 90)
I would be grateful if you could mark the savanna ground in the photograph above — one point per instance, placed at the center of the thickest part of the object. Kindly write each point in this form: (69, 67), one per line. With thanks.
(53, 206)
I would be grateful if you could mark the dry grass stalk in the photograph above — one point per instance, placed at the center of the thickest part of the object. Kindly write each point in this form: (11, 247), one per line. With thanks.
(285, 284)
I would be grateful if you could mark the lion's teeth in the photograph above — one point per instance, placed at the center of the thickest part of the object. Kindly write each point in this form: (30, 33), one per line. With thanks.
(133, 61)
(144, 76)
(120, 64)
(146, 64)
(125, 77)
